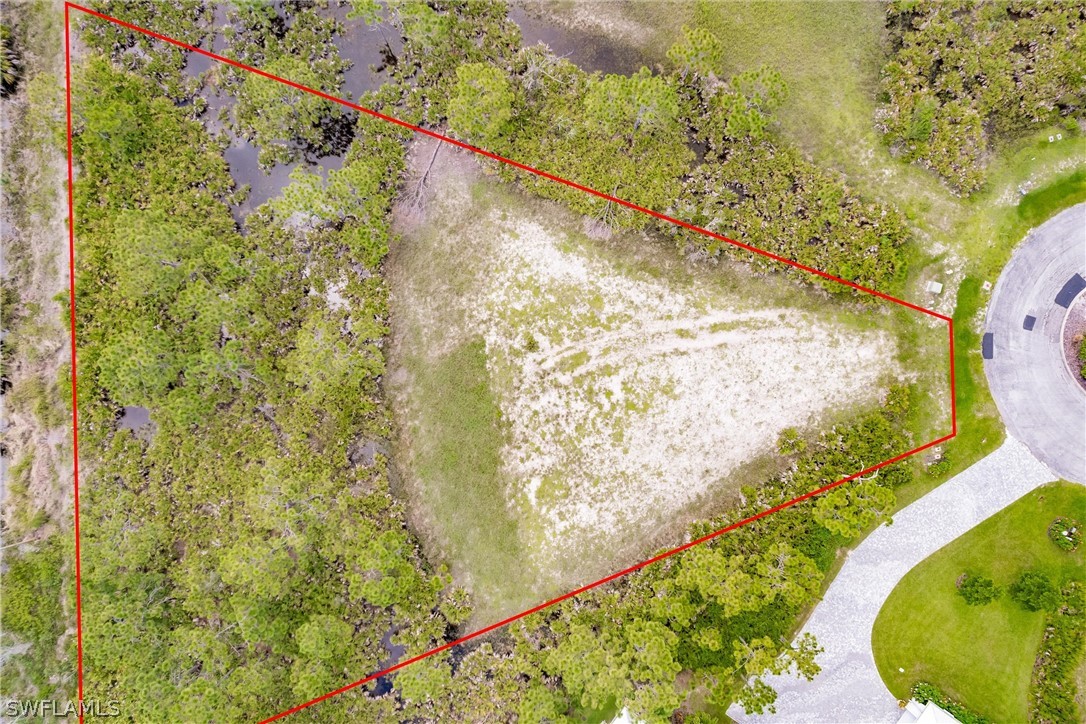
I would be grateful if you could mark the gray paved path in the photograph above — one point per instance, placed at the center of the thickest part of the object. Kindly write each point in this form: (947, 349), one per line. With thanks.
(849, 689)
(1040, 402)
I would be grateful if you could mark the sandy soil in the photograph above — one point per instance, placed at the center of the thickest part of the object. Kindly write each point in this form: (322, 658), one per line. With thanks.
(627, 394)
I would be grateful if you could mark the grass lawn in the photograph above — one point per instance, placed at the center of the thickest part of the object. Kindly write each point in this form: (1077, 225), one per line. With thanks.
(982, 656)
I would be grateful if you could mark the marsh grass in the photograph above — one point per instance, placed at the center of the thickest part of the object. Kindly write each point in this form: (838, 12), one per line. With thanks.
(457, 459)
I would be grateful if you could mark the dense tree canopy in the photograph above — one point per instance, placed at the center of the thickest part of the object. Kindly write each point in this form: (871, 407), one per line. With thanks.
(969, 73)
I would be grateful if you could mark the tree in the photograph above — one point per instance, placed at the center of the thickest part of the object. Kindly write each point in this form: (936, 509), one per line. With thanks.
(1035, 591)
(137, 365)
(622, 105)
(324, 644)
(723, 579)
(744, 108)
(285, 121)
(791, 442)
(788, 574)
(964, 74)
(482, 104)
(760, 657)
(852, 507)
(699, 53)
(978, 590)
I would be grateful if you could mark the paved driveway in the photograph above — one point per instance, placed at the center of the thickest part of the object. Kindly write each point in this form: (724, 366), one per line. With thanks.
(1040, 402)
(849, 689)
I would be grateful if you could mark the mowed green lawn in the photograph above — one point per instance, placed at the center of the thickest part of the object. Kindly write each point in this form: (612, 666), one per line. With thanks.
(981, 656)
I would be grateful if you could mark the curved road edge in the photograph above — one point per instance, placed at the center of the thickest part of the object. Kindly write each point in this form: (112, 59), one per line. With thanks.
(849, 688)
(1038, 399)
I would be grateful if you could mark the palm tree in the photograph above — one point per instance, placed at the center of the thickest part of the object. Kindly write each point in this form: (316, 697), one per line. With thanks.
(9, 62)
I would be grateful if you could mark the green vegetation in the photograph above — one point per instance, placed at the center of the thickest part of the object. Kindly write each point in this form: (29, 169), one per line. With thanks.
(772, 199)
(247, 548)
(966, 73)
(10, 63)
(1082, 357)
(186, 20)
(1054, 688)
(1040, 205)
(35, 610)
(932, 633)
(287, 123)
(629, 137)
(924, 693)
(978, 590)
(461, 474)
(1065, 533)
(240, 545)
(32, 596)
(33, 585)
(1034, 591)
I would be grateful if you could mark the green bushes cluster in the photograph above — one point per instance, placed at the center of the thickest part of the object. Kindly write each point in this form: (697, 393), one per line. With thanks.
(10, 62)
(1082, 356)
(978, 590)
(186, 20)
(237, 554)
(630, 137)
(1035, 591)
(767, 196)
(966, 74)
(32, 595)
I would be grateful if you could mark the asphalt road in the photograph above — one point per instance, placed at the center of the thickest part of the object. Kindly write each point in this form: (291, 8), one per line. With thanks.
(1039, 400)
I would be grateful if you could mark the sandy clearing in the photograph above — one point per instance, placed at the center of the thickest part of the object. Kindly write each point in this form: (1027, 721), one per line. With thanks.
(627, 395)
(642, 396)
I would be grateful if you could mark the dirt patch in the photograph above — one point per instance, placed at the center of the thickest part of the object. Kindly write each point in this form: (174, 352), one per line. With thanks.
(627, 387)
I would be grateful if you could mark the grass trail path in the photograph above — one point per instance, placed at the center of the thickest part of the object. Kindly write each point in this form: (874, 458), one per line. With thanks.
(849, 688)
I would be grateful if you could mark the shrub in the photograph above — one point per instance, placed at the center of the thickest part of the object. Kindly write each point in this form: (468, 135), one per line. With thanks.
(940, 467)
(978, 590)
(1053, 687)
(32, 585)
(924, 692)
(791, 442)
(1082, 356)
(1035, 592)
(1066, 533)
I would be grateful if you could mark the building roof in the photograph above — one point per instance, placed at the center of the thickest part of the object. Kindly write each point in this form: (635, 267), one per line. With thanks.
(930, 713)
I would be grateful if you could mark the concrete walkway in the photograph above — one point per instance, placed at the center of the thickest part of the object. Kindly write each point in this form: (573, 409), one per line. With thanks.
(1039, 400)
(849, 689)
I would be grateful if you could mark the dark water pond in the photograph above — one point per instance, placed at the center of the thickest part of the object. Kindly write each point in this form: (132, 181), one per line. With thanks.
(383, 685)
(582, 48)
(369, 48)
(133, 418)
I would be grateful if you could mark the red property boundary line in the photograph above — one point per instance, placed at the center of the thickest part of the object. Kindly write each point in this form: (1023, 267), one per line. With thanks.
(68, 6)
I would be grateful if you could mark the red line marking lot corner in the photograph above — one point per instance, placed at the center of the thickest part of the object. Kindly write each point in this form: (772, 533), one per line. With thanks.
(68, 6)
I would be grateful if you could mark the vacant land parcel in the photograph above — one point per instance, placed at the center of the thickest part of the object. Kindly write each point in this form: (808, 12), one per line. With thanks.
(565, 403)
